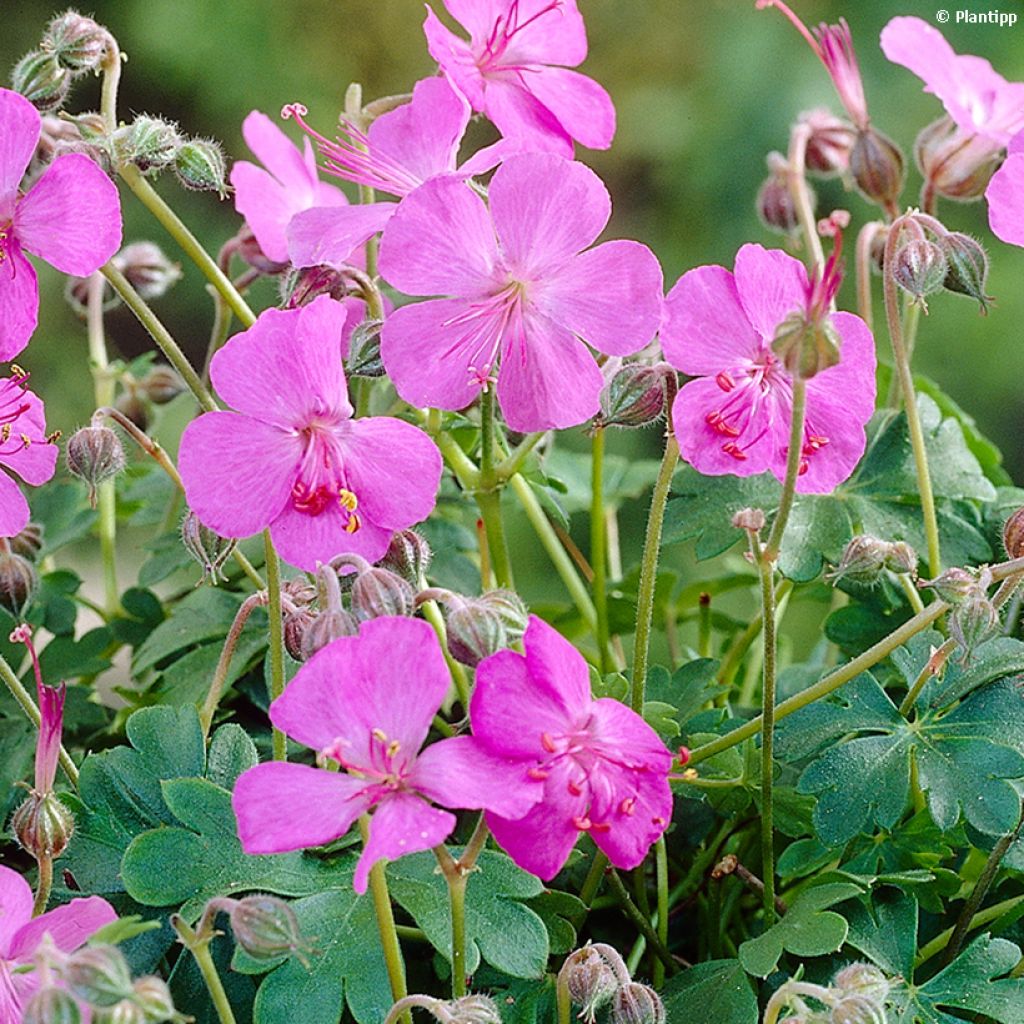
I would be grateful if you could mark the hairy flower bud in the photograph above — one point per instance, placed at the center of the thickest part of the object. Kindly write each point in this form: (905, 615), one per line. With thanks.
(634, 397)
(125, 1012)
(364, 350)
(974, 620)
(208, 548)
(162, 385)
(199, 165)
(152, 995)
(41, 80)
(901, 559)
(378, 592)
(857, 1009)
(919, 267)
(591, 982)
(474, 632)
(409, 556)
(295, 625)
(149, 272)
(750, 519)
(29, 542)
(877, 166)
(266, 927)
(637, 1004)
(862, 561)
(1013, 534)
(955, 165)
(806, 345)
(473, 1009)
(52, 1006)
(249, 251)
(18, 583)
(829, 142)
(510, 609)
(775, 207)
(966, 267)
(148, 143)
(952, 585)
(94, 454)
(863, 979)
(302, 285)
(43, 825)
(98, 975)
(327, 626)
(76, 41)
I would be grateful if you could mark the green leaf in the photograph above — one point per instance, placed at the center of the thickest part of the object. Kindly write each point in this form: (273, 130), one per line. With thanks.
(884, 929)
(624, 478)
(499, 926)
(65, 516)
(807, 929)
(231, 753)
(562, 913)
(122, 929)
(714, 992)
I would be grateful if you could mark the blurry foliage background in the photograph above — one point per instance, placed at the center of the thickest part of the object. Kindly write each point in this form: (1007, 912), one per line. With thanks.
(704, 89)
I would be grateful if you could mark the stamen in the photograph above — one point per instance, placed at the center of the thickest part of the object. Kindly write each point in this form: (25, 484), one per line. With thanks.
(735, 451)
(584, 824)
(574, 788)
(725, 380)
(548, 743)
(628, 806)
(537, 773)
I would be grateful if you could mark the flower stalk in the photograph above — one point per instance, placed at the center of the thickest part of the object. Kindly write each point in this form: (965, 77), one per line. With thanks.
(599, 548)
(488, 496)
(197, 942)
(275, 614)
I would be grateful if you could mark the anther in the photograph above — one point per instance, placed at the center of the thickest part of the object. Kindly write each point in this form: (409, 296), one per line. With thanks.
(725, 380)
(547, 742)
(735, 451)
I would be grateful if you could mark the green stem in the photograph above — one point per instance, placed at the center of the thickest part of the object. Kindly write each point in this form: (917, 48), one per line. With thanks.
(704, 625)
(797, 182)
(592, 883)
(640, 922)
(661, 880)
(793, 459)
(865, 240)
(457, 902)
(209, 708)
(649, 573)
(274, 612)
(983, 917)
(199, 946)
(767, 733)
(740, 646)
(931, 668)
(563, 998)
(598, 548)
(513, 463)
(433, 615)
(43, 885)
(488, 496)
(111, 67)
(917, 443)
(912, 593)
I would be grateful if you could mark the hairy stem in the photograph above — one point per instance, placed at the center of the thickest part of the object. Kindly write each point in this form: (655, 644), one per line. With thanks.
(43, 885)
(198, 944)
(640, 922)
(488, 496)
(275, 614)
(599, 549)
(209, 708)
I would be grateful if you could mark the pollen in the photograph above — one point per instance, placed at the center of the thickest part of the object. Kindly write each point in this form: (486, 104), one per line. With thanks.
(353, 524)
(348, 501)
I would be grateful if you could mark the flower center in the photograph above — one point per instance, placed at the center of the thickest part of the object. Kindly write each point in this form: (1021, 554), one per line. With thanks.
(13, 406)
(6, 242)
(385, 761)
(503, 31)
(321, 482)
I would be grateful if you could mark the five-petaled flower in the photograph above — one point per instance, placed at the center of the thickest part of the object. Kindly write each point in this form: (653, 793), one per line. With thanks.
(525, 292)
(367, 702)
(508, 70)
(736, 417)
(71, 217)
(292, 458)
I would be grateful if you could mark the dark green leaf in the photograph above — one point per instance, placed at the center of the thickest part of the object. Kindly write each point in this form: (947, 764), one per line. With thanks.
(714, 992)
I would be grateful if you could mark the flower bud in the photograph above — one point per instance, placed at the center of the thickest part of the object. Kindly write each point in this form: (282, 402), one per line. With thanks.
(591, 982)
(953, 585)
(863, 979)
(94, 454)
(266, 927)
(806, 345)
(302, 285)
(162, 385)
(364, 350)
(474, 632)
(919, 267)
(775, 207)
(409, 556)
(29, 542)
(857, 1009)
(153, 997)
(954, 164)
(133, 408)
(18, 583)
(749, 519)
(327, 626)
(966, 267)
(52, 1006)
(125, 1012)
(41, 80)
(199, 165)
(149, 272)
(295, 625)
(509, 608)
(249, 251)
(98, 975)
(379, 592)
(862, 561)
(207, 547)
(634, 397)
(1013, 535)
(901, 559)
(43, 825)
(637, 1004)
(473, 1009)
(974, 620)
(829, 142)
(148, 143)
(77, 42)
(877, 167)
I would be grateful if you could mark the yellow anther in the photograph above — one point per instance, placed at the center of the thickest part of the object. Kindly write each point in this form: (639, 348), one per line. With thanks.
(347, 500)
(5, 432)
(393, 748)
(379, 734)
(26, 440)
(17, 372)
(353, 524)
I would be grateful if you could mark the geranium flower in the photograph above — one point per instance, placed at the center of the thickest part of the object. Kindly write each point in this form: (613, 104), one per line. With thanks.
(25, 447)
(1005, 195)
(603, 768)
(292, 458)
(68, 926)
(71, 217)
(507, 70)
(367, 703)
(525, 292)
(736, 417)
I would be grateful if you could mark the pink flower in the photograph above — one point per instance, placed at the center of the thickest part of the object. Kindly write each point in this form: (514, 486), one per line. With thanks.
(367, 703)
(292, 458)
(507, 70)
(24, 446)
(603, 768)
(68, 926)
(1005, 195)
(402, 149)
(525, 295)
(71, 217)
(51, 713)
(735, 418)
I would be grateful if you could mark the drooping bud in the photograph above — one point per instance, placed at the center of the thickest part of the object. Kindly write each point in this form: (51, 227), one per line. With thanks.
(43, 825)
(52, 1006)
(591, 982)
(295, 625)
(149, 272)
(99, 975)
(966, 267)
(901, 559)
(473, 1009)
(266, 927)
(863, 979)
(510, 609)
(637, 1004)
(862, 561)
(474, 632)
(775, 207)
(878, 167)
(42, 81)
(76, 41)
(380, 592)
(364, 350)
(327, 626)
(954, 163)
(1013, 534)
(94, 454)
(208, 548)
(133, 408)
(301, 285)
(18, 583)
(952, 585)
(409, 556)
(152, 995)
(829, 142)
(750, 519)
(919, 268)
(199, 165)
(974, 620)
(162, 385)
(249, 251)
(29, 542)
(148, 143)
(634, 397)
(857, 1009)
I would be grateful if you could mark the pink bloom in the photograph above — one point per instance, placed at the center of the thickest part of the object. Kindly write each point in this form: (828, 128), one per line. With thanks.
(51, 712)
(735, 418)
(24, 447)
(367, 702)
(402, 149)
(68, 926)
(292, 458)
(71, 217)
(508, 70)
(603, 768)
(1005, 195)
(525, 294)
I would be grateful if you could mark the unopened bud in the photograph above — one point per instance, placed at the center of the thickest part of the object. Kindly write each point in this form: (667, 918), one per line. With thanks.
(877, 166)
(634, 397)
(29, 542)
(862, 561)
(131, 406)
(637, 1004)
(750, 519)
(18, 583)
(408, 555)
(199, 165)
(94, 454)
(379, 592)
(955, 164)
(509, 607)
(775, 207)
(364, 358)
(266, 927)
(473, 1009)
(829, 142)
(952, 585)
(98, 975)
(148, 271)
(326, 627)
(806, 346)
(591, 982)
(295, 625)
(966, 267)
(206, 546)
(974, 621)
(125, 1012)
(901, 559)
(52, 1006)
(1013, 534)
(249, 251)
(863, 979)
(43, 825)
(41, 80)
(301, 285)
(148, 143)
(77, 42)
(857, 1009)
(919, 267)
(474, 633)
(162, 385)
(152, 995)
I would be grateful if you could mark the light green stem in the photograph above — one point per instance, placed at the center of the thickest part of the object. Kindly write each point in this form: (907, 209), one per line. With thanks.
(793, 459)
(928, 672)
(511, 465)
(488, 496)
(274, 612)
(595, 876)
(640, 922)
(599, 548)
(980, 919)
(199, 946)
(43, 885)
(912, 593)
(661, 880)
(433, 615)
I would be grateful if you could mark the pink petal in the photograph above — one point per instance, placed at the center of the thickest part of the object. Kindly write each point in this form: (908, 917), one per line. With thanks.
(266, 206)
(546, 209)
(609, 296)
(545, 33)
(238, 472)
(626, 740)
(36, 463)
(19, 303)
(286, 365)
(69, 926)
(19, 132)
(582, 107)
(51, 709)
(14, 510)
(281, 806)
(638, 822)
(330, 234)
(771, 285)
(401, 824)
(455, 59)
(440, 242)
(281, 157)
(459, 772)
(15, 893)
(706, 329)
(920, 47)
(547, 379)
(1016, 144)
(554, 662)
(71, 217)
(840, 401)
(519, 115)
(303, 540)
(394, 469)
(1005, 196)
